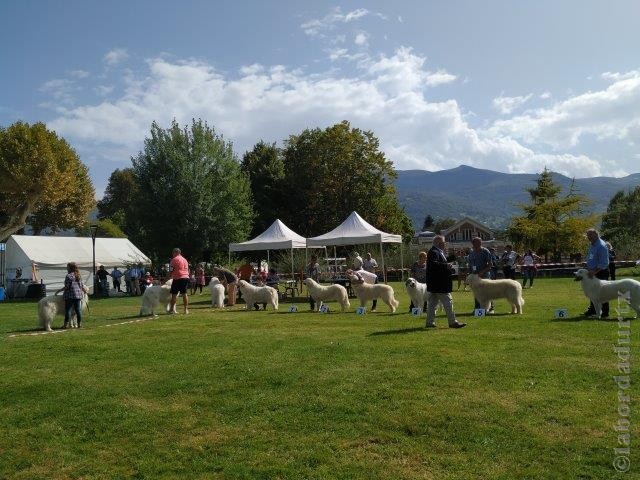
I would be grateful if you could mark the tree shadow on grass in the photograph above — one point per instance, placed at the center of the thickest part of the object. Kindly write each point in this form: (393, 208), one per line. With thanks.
(401, 331)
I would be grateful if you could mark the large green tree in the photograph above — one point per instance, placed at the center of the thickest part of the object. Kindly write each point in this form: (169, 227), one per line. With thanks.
(190, 192)
(42, 181)
(551, 223)
(265, 169)
(621, 223)
(330, 173)
(118, 198)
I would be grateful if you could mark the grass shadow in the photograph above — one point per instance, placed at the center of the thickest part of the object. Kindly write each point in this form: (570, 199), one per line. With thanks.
(401, 331)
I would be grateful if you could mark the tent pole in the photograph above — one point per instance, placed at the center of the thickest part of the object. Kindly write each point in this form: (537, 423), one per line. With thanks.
(384, 271)
(335, 261)
(268, 260)
(401, 261)
(292, 275)
(229, 265)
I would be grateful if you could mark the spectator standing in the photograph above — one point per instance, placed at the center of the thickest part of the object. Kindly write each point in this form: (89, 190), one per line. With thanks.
(529, 268)
(230, 279)
(200, 277)
(180, 274)
(135, 273)
(116, 275)
(102, 275)
(493, 273)
(479, 263)
(357, 261)
(598, 266)
(509, 258)
(146, 282)
(369, 263)
(127, 280)
(440, 284)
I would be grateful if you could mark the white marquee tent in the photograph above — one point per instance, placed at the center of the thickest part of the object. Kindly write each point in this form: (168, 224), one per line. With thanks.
(277, 237)
(355, 231)
(51, 255)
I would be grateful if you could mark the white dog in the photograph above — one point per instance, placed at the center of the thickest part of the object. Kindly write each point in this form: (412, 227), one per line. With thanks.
(155, 295)
(602, 291)
(324, 293)
(254, 295)
(486, 290)
(368, 292)
(52, 305)
(217, 293)
(417, 292)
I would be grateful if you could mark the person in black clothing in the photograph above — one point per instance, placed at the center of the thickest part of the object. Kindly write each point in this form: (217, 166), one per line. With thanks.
(440, 284)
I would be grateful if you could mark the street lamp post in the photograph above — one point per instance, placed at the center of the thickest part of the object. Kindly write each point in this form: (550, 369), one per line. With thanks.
(94, 230)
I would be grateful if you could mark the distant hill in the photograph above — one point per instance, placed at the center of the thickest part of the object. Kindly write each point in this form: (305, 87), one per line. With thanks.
(487, 196)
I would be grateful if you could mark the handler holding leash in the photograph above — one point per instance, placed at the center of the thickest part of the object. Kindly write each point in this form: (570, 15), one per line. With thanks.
(180, 274)
(598, 266)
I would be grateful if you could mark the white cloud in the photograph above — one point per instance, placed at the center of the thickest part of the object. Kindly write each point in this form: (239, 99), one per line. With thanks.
(361, 39)
(609, 114)
(79, 73)
(335, 17)
(385, 95)
(545, 95)
(440, 78)
(506, 105)
(115, 56)
(61, 90)
(104, 90)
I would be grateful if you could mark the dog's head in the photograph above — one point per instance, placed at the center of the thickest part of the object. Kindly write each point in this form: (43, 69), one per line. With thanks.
(471, 279)
(214, 281)
(355, 277)
(306, 281)
(581, 274)
(411, 283)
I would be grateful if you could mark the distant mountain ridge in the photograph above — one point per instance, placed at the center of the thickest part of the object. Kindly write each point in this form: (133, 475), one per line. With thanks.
(487, 196)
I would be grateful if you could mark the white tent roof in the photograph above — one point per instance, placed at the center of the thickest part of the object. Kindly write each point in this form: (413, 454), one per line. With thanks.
(51, 255)
(58, 251)
(353, 231)
(277, 237)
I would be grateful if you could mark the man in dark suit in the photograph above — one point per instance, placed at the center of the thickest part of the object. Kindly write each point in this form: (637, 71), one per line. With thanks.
(440, 284)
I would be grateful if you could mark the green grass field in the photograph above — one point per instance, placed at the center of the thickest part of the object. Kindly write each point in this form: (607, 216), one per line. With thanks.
(240, 394)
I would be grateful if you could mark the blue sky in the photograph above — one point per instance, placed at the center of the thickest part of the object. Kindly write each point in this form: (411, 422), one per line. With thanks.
(511, 86)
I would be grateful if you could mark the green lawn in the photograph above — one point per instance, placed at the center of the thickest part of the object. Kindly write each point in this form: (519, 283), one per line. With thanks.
(239, 394)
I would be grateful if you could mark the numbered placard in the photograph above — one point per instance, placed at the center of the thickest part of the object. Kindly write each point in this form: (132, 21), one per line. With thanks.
(561, 313)
(361, 311)
(416, 311)
(324, 309)
(293, 308)
(479, 312)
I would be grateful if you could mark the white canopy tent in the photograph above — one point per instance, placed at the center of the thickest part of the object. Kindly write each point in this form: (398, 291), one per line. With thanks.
(277, 237)
(356, 231)
(51, 255)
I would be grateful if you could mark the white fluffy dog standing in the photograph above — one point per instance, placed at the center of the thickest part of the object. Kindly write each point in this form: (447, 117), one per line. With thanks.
(602, 291)
(324, 293)
(486, 290)
(154, 296)
(253, 295)
(417, 292)
(217, 293)
(52, 305)
(368, 292)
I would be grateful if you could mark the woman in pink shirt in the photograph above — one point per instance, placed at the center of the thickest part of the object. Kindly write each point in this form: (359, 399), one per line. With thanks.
(180, 275)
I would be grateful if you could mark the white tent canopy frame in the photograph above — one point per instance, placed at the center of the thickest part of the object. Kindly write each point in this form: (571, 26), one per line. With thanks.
(354, 230)
(277, 237)
(51, 255)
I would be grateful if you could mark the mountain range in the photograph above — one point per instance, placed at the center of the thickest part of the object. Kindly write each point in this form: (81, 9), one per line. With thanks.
(490, 197)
